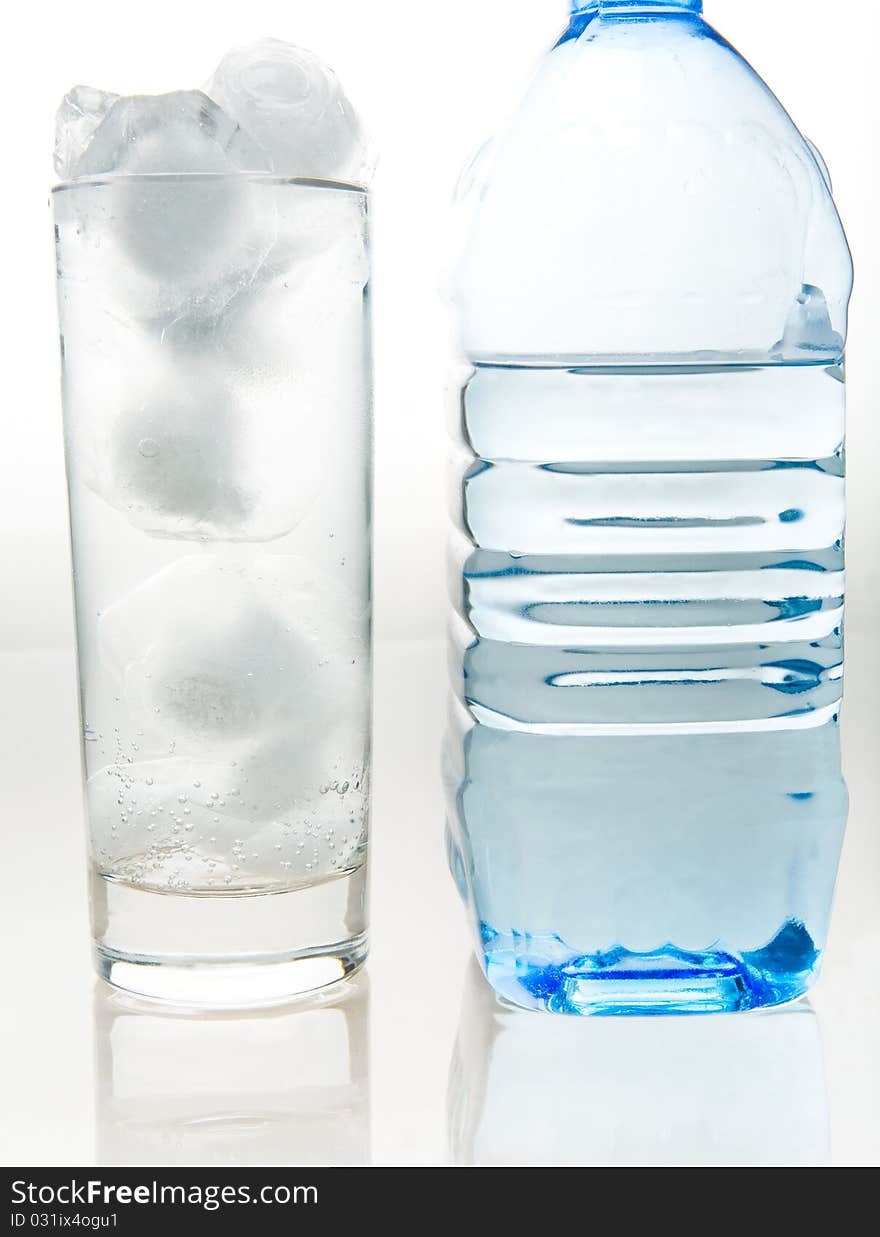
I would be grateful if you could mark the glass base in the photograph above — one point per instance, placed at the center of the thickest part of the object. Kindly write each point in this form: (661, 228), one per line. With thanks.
(220, 951)
(201, 983)
(666, 981)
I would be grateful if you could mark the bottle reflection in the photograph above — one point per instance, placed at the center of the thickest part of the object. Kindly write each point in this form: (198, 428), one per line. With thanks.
(270, 1088)
(531, 1089)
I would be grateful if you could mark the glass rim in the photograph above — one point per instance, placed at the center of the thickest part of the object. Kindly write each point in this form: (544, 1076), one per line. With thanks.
(268, 178)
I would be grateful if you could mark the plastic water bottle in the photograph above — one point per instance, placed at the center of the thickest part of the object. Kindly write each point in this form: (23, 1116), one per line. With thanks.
(643, 763)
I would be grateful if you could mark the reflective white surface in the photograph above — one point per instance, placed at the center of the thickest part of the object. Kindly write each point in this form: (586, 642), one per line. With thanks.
(642, 1091)
(290, 1086)
(414, 1062)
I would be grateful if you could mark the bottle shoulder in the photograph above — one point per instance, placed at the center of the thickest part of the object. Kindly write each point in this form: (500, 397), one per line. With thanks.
(632, 82)
(648, 174)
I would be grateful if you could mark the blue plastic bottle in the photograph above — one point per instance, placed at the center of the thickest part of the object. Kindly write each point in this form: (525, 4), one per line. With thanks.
(646, 806)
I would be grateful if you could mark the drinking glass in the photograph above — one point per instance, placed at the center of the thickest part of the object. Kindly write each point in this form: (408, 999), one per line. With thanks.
(217, 419)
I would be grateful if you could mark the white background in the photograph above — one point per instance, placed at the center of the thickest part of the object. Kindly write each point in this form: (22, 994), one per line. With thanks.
(431, 80)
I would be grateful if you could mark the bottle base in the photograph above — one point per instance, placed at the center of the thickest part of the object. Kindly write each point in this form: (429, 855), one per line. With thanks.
(216, 951)
(666, 981)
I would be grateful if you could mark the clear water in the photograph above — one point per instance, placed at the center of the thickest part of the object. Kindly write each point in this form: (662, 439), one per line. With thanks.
(217, 423)
(646, 802)
(218, 461)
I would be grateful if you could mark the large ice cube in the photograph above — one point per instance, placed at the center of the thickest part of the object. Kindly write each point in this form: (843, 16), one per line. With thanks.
(174, 456)
(318, 225)
(295, 108)
(156, 823)
(169, 247)
(183, 131)
(246, 688)
(201, 646)
(184, 824)
(321, 830)
(220, 654)
(82, 110)
(223, 434)
(157, 436)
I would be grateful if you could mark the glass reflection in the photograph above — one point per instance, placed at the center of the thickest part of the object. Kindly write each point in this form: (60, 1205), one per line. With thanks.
(531, 1089)
(288, 1085)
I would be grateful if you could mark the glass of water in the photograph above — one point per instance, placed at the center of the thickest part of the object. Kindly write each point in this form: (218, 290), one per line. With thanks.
(218, 434)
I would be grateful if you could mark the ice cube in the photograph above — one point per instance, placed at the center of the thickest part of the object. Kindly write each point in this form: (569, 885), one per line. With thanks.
(82, 110)
(246, 686)
(295, 108)
(185, 824)
(204, 650)
(157, 435)
(223, 434)
(318, 224)
(171, 249)
(183, 131)
(221, 655)
(173, 462)
(319, 831)
(168, 243)
(156, 818)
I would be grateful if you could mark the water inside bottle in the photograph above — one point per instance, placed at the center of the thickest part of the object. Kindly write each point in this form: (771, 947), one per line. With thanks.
(644, 754)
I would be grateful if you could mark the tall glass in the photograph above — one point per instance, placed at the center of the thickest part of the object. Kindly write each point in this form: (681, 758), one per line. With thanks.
(218, 436)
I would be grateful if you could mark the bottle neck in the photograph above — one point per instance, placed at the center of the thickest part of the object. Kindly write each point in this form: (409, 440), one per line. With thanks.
(621, 7)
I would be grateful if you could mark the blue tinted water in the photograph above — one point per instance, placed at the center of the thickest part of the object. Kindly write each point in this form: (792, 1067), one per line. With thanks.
(643, 762)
